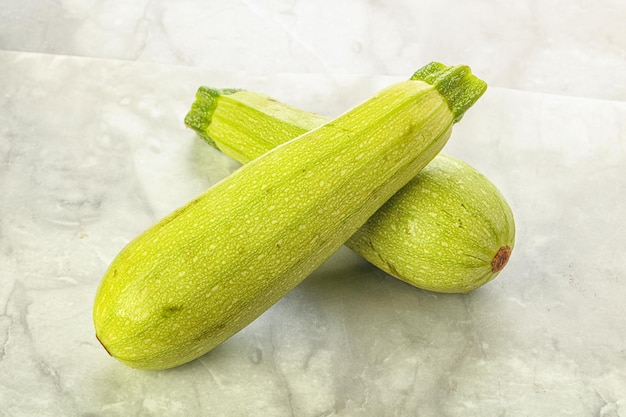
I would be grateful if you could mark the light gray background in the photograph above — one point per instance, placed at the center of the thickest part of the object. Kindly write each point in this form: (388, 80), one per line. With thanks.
(93, 150)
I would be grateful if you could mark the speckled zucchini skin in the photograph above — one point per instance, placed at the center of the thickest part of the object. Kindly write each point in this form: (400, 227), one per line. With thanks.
(448, 230)
(210, 268)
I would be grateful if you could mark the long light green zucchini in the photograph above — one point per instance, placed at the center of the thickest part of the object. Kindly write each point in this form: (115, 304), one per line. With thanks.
(448, 230)
(207, 270)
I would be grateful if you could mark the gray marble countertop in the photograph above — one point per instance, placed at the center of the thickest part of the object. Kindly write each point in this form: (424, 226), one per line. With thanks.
(93, 150)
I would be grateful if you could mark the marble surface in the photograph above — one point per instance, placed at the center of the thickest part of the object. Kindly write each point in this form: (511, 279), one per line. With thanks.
(573, 47)
(93, 150)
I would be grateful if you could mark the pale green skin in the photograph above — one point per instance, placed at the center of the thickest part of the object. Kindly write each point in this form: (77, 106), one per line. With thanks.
(448, 230)
(207, 270)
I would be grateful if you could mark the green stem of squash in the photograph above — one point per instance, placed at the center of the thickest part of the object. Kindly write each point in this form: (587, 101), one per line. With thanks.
(457, 84)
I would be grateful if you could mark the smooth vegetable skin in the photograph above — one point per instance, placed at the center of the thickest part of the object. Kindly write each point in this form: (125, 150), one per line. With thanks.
(448, 230)
(207, 270)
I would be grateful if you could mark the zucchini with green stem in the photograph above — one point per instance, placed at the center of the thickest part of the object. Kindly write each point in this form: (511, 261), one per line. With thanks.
(448, 230)
(207, 270)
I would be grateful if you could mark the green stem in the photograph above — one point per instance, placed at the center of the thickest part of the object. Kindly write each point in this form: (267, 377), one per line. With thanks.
(457, 84)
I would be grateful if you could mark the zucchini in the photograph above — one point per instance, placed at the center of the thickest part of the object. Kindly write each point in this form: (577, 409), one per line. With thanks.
(208, 269)
(448, 230)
